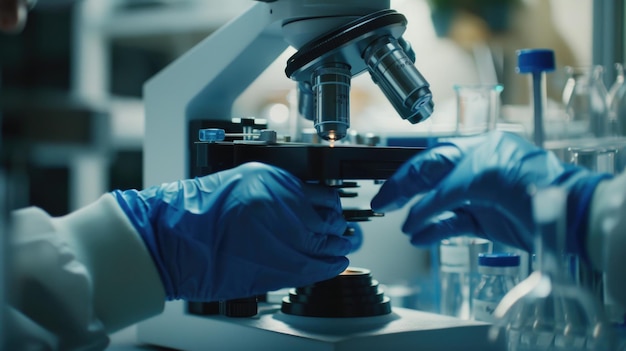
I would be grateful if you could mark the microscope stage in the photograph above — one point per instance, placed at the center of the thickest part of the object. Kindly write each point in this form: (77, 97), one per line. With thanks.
(309, 162)
(273, 330)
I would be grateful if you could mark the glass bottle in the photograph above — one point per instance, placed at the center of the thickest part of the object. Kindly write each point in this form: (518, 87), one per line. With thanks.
(499, 274)
(547, 311)
(617, 102)
(585, 99)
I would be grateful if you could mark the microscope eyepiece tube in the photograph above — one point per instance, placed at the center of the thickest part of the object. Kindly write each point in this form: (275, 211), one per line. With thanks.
(396, 75)
(331, 87)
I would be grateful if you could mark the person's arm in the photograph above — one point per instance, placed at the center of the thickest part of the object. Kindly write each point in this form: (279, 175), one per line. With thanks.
(233, 234)
(82, 276)
(606, 242)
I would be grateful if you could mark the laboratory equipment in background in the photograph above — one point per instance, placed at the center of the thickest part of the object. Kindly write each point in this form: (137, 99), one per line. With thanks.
(585, 99)
(606, 155)
(617, 102)
(537, 62)
(478, 108)
(458, 273)
(499, 272)
(602, 159)
(547, 310)
(335, 41)
(614, 160)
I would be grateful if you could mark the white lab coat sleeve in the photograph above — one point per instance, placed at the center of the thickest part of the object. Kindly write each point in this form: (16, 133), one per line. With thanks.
(606, 239)
(84, 275)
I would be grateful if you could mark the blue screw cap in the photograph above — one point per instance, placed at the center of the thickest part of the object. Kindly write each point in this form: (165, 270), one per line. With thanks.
(535, 60)
(503, 259)
(211, 135)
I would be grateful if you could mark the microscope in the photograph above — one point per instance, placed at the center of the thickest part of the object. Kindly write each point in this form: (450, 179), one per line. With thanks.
(188, 108)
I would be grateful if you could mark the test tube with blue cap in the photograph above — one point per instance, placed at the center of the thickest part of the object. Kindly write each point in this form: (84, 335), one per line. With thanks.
(537, 62)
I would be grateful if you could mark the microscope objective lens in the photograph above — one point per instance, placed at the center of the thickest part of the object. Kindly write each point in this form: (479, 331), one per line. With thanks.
(331, 86)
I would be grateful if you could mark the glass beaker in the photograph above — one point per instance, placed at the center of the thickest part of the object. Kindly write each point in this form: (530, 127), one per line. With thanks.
(478, 107)
(547, 311)
(585, 99)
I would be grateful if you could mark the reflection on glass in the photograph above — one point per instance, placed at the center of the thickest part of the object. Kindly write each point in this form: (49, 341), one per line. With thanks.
(547, 311)
(617, 102)
(585, 100)
(478, 107)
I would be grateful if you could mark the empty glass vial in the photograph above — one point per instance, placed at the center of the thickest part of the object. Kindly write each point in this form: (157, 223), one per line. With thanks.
(499, 274)
(585, 99)
(617, 102)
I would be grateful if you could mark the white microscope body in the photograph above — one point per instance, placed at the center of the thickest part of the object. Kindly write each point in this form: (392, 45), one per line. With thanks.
(204, 83)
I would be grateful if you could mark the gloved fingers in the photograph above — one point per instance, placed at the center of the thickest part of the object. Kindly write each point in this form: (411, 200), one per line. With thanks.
(466, 212)
(214, 181)
(448, 224)
(317, 208)
(429, 208)
(423, 172)
(322, 245)
(469, 184)
(322, 268)
(322, 196)
(323, 221)
(430, 168)
(327, 206)
(354, 234)
(420, 174)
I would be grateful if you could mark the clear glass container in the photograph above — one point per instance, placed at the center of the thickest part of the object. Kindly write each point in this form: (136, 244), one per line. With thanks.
(458, 273)
(499, 274)
(547, 311)
(617, 101)
(585, 98)
(478, 107)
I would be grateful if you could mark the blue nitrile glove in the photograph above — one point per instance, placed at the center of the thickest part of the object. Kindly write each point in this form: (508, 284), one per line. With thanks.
(480, 186)
(355, 236)
(239, 233)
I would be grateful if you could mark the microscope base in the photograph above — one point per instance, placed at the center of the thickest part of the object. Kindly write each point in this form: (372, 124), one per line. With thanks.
(274, 330)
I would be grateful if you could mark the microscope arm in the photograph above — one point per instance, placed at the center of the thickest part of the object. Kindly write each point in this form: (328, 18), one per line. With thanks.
(204, 83)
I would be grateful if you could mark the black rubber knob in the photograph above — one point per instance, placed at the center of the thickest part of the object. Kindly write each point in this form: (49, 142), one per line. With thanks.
(203, 308)
(237, 308)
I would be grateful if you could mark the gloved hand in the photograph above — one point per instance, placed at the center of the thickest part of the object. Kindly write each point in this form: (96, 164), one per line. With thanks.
(354, 234)
(239, 233)
(480, 186)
